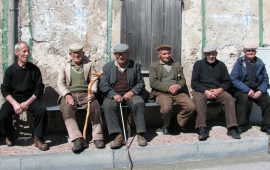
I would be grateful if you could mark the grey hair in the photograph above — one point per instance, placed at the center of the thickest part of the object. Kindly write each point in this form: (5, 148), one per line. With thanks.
(19, 45)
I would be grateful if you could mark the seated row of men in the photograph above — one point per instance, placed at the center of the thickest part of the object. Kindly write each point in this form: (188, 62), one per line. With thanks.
(122, 82)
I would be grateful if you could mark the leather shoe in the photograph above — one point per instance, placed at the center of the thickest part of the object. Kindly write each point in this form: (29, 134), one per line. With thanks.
(78, 145)
(165, 131)
(141, 140)
(266, 130)
(203, 133)
(99, 144)
(10, 141)
(233, 132)
(40, 143)
(242, 129)
(117, 142)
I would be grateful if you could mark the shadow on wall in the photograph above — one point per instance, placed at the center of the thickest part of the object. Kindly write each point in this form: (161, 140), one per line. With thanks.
(50, 96)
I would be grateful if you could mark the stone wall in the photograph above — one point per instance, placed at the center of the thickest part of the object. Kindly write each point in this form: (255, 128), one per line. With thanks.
(57, 23)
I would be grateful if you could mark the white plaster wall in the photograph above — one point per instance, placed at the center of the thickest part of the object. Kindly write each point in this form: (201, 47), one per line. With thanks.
(58, 23)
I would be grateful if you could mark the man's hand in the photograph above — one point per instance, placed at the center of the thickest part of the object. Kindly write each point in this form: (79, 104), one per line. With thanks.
(24, 105)
(251, 93)
(90, 98)
(257, 94)
(173, 89)
(69, 99)
(17, 108)
(216, 92)
(117, 98)
(209, 94)
(128, 95)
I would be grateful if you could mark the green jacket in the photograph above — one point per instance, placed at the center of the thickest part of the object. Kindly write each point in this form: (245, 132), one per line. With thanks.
(156, 74)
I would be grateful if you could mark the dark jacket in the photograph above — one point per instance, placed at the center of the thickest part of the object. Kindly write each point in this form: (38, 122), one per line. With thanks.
(239, 73)
(156, 74)
(206, 76)
(134, 75)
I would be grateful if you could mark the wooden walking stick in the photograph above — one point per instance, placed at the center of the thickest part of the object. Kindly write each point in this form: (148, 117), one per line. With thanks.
(98, 75)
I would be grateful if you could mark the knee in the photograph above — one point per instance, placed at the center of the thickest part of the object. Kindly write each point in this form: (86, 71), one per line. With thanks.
(242, 99)
(166, 109)
(198, 97)
(95, 104)
(41, 112)
(108, 104)
(191, 107)
(138, 103)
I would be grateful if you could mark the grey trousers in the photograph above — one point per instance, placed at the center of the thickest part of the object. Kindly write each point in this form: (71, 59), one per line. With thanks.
(69, 116)
(110, 108)
(224, 98)
(165, 101)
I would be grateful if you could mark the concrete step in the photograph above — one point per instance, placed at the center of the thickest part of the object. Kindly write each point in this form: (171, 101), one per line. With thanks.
(160, 149)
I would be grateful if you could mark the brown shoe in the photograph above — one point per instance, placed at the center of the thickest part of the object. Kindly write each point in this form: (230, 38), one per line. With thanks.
(141, 140)
(10, 141)
(40, 143)
(118, 141)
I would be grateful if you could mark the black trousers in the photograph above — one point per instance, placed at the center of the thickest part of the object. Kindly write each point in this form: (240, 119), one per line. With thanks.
(110, 108)
(37, 109)
(243, 108)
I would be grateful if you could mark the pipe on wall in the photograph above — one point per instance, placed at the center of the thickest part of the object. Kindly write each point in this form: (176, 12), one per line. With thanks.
(203, 26)
(5, 35)
(260, 23)
(11, 32)
(109, 30)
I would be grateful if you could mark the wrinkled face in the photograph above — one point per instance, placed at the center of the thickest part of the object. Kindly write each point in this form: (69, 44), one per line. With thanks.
(211, 56)
(23, 54)
(250, 54)
(121, 58)
(164, 55)
(77, 57)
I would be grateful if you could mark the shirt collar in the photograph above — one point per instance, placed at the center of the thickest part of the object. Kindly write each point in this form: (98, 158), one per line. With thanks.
(162, 63)
(17, 67)
(253, 61)
(72, 64)
(120, 68)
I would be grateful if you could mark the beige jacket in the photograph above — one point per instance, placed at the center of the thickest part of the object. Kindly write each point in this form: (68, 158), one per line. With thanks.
(63, 81)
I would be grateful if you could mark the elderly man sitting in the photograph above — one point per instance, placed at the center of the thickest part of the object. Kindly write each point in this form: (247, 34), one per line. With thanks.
(210, 81)
(250, 80)
(122, 82)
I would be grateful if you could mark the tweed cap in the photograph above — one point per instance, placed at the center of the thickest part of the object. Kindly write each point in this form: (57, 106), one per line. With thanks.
(164, 47)
(250, 46)
(209, 47)
(76, 47)
(120, 48)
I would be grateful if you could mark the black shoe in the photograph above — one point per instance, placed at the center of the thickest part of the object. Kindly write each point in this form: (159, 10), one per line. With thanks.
(233, 132)
(99, 144)
(203, 133)
(266, 130)
(78, 145)
(242, 129)
(165, 131)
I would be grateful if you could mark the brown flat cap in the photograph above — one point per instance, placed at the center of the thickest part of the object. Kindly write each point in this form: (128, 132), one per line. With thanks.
(164, 47)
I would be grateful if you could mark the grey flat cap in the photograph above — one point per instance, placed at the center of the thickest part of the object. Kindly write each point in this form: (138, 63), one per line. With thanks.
(75, 47)
(120, 48)
(250, 46)
(209, 47)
